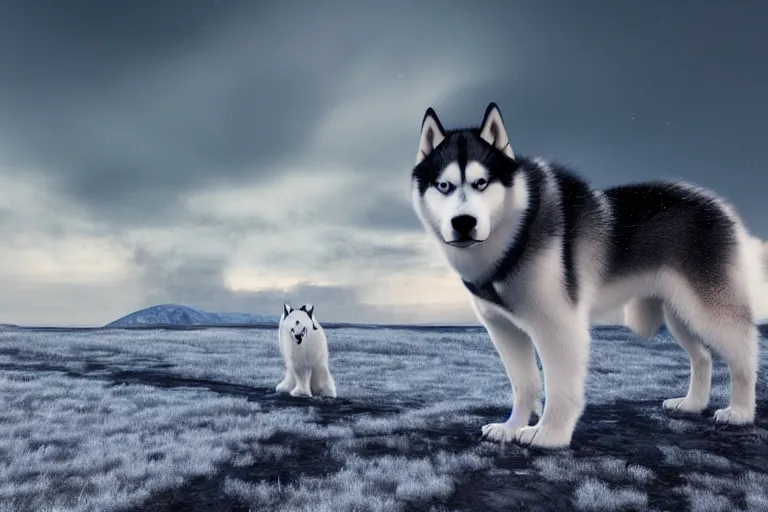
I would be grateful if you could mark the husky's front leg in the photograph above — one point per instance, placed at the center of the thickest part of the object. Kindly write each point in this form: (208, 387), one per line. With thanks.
(517, 355)
(564, 352)
(288, 383)
(302, 387)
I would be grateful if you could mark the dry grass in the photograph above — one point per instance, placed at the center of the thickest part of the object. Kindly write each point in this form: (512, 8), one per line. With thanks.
(137, 420)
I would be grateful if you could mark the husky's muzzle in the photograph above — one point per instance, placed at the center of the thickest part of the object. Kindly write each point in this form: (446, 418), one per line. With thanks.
(299, 336)
(463, 228)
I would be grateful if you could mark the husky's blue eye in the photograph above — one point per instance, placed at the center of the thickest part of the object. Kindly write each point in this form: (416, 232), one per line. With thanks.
(444, 187)
(480, 184)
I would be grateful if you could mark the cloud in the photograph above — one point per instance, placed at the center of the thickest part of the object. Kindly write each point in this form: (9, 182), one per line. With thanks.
(254, 146)
(57, 267)
(197, 167)
(127, 135)
(47, 239)
(205, 112)
(202, 283)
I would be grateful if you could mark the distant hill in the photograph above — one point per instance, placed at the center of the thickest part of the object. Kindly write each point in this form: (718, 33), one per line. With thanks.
(181, 315)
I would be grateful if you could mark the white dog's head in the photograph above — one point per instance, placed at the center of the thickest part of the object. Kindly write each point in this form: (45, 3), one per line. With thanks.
(464, 180)
(299, 323)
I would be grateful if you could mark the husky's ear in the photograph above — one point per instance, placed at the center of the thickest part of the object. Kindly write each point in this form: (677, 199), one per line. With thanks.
(432, 134)
(493, 131)
(286, 309)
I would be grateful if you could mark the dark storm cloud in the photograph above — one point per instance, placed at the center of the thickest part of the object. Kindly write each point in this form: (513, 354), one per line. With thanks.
(338, 253)
(627, 91)
(130, 108)
(132, 103)
(338, 249)
(128, 104)
(388, 214)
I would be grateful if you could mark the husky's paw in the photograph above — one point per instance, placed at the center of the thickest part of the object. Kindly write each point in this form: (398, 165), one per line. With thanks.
(283, 387)
(298, 392)
(327, 393)
(683, 404)
(505, 432)
(499, 432)
(734, 416)
(537, 436)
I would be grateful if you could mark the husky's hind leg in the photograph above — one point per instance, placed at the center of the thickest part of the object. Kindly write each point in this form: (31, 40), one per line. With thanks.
(700, 381)
(738, 345)
(728, 327)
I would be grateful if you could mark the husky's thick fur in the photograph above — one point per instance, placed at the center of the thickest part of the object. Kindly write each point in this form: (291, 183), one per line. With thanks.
(305, 353)
(541, 253)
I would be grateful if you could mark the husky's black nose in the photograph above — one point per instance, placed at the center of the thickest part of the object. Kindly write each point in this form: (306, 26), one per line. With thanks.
(463, 224)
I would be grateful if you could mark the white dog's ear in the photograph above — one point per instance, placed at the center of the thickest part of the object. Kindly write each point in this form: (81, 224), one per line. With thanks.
(311, 313)
(286, 309)
(309, 309)
(432, 134)
(493, 131)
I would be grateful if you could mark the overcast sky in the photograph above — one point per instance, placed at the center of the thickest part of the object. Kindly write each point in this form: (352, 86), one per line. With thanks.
(230, 155)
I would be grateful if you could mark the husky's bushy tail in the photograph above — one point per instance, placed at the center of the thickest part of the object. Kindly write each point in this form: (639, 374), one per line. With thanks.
(645, 316)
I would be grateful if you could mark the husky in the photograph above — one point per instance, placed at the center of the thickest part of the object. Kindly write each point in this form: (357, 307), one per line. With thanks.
(542, 254)
(304, 348)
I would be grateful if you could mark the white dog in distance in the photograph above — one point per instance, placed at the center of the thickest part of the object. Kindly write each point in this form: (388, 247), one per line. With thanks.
(305, 353)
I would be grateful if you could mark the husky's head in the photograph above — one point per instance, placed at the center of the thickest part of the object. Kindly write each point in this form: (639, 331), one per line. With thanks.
(463, 181)
(298, 322)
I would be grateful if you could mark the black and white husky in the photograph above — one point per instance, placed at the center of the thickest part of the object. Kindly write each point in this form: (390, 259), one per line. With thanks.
(541, 253)
(305, 353)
